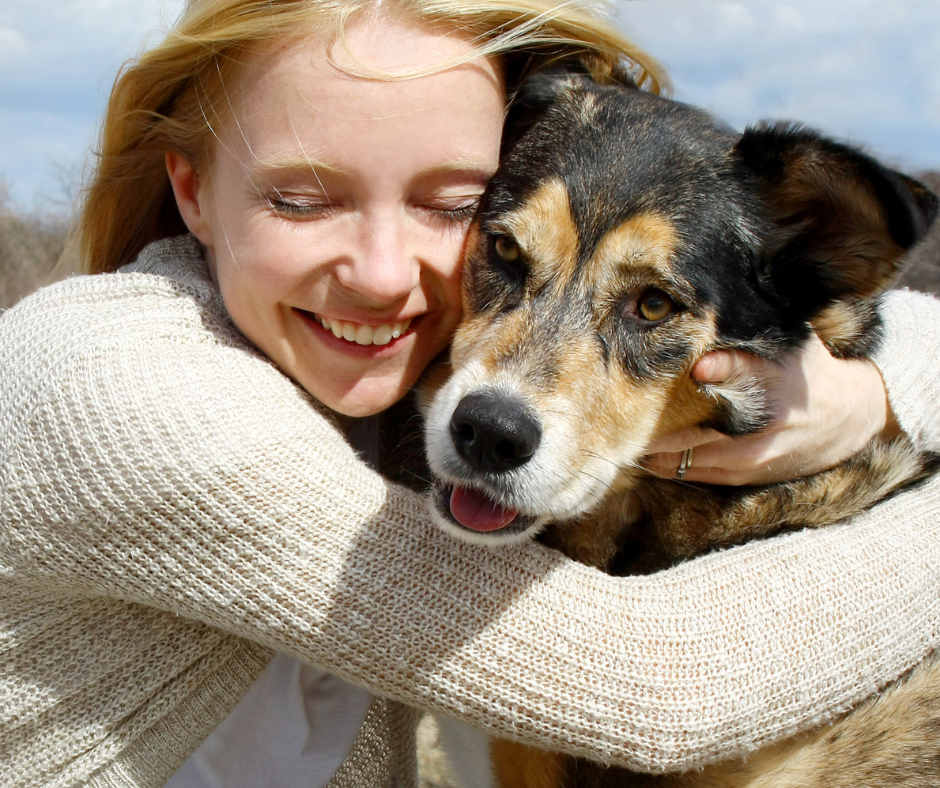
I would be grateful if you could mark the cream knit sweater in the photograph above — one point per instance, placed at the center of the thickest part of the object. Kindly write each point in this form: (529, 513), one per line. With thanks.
(173, 509)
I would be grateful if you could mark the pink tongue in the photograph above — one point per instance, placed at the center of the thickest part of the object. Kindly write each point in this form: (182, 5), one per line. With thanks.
(473, 510)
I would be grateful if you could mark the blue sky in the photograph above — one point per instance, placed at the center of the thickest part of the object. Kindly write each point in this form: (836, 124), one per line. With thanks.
(863, 70)
(867, 71)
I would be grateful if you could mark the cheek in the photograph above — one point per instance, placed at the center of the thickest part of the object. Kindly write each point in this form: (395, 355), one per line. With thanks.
(447, 272)
(253, 286)
(262, 263)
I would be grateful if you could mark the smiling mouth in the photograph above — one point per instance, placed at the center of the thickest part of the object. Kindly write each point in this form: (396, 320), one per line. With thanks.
(360, 333)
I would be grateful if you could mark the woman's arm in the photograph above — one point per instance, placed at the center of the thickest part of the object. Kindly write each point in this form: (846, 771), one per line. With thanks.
(908, 360)
(175, 468)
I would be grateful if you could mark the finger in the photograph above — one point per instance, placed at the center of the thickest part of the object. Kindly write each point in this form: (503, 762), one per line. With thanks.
(665, 466)
(702, 469)
(680, 440)
(726, 477)
(747, 460)
(721, 365)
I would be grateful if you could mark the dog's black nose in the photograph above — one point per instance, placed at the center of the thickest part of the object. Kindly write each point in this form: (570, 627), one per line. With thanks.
(494, 433)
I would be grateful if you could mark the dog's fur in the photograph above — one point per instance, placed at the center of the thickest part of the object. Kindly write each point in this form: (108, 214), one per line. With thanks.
(624, 236)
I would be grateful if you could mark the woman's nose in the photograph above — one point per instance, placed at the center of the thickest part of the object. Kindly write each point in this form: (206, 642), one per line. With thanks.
(384, 267)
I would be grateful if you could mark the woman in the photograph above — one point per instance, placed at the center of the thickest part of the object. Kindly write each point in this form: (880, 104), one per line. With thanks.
(181, 503)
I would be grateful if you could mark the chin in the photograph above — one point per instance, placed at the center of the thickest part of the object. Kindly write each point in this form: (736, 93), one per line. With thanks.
(360, 404)
(362, 389)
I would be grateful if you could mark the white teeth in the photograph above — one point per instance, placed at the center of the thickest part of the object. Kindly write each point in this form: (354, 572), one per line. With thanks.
(365, 335)
(382, 335)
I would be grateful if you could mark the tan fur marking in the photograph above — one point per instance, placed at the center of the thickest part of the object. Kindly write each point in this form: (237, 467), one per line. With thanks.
(839, 325)
(587, 110)
(688, 405)
(647, 239)
(513, 332)
(469, 337)
(519, 766)
(545, 231)
(615, 409)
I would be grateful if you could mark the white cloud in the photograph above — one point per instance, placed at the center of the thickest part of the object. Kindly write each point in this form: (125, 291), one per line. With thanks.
(13, 45)
(864, 70)
(790, 18)
(73, 41)
(59, 58)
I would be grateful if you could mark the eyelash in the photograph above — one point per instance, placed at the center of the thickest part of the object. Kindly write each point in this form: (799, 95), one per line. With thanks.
(295, 211)
(291, 210)
(462, 214)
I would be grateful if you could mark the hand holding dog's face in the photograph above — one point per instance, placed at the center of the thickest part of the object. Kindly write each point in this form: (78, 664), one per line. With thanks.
(824, 409)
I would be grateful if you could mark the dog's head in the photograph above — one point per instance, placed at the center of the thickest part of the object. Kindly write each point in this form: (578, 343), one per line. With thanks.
(624, 236)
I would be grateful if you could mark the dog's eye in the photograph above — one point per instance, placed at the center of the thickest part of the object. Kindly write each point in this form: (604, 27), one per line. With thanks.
(654, 305)
(506, 248)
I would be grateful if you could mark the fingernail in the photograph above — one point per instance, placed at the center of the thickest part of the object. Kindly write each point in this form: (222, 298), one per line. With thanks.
(703, 369)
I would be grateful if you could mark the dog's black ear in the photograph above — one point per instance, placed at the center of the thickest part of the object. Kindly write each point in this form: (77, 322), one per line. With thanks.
(844, 222)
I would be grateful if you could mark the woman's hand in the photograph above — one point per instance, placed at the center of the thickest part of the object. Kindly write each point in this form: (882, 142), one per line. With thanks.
(825, 411)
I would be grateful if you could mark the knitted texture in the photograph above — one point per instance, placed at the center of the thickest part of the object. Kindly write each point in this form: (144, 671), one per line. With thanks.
(908, 360)
(173, 509)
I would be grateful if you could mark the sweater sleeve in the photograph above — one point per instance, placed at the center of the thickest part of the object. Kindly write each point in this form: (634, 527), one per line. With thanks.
(174, 469)
(908, 360)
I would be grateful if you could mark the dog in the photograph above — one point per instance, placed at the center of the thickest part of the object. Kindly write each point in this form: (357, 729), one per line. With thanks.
(624, 236)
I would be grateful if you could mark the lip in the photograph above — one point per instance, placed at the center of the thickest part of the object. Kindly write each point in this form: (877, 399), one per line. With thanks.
(351, 348)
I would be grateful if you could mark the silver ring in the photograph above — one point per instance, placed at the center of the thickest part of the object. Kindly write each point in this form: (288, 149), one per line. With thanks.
(684, 464)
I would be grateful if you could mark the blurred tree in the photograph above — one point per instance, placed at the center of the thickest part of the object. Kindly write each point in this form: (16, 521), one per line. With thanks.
(30, 249)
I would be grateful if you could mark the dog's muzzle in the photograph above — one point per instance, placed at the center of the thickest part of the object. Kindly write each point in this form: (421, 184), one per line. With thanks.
(493, 433)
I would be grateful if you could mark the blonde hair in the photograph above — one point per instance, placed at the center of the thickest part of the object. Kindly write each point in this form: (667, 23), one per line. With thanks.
(172, 98)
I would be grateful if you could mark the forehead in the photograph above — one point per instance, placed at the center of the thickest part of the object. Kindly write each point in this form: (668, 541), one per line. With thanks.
(307, 93)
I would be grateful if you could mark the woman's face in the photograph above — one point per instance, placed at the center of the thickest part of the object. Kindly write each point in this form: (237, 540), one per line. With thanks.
(336, 208)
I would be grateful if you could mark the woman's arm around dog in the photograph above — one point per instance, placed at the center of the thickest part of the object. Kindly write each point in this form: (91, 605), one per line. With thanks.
(159, 475)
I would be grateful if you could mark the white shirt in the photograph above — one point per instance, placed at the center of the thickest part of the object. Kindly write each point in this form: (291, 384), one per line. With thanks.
(292, 729)
(294, 726)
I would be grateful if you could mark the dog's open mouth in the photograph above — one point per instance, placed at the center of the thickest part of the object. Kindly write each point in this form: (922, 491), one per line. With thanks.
(471, 509)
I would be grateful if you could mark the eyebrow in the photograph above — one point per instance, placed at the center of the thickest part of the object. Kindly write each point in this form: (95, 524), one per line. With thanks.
(302, 165)
(291, 163)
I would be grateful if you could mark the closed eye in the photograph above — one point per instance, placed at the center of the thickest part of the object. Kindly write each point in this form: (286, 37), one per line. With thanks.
(299, 208)
(452, 212)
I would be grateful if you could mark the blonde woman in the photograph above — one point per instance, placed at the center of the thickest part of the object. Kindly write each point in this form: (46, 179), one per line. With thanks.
(203, 582)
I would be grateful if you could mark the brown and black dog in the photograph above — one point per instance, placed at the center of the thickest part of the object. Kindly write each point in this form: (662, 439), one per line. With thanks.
(624, 236)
